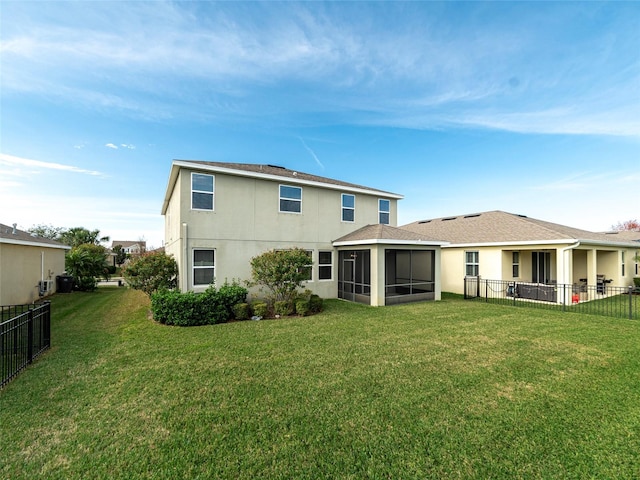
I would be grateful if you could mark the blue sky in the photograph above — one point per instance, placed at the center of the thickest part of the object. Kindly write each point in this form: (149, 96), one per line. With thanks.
(531, 108)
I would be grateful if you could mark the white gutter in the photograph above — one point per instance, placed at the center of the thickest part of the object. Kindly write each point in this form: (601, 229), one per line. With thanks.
(382, 241)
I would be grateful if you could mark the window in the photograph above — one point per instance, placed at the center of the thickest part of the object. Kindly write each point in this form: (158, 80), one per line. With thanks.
(384, 208)
(201, 191)
(348, 207)
(541, 267)
(325, 265)
(203, 267)
(515, 264)
(308, 269)
(622, 263)
(472, 264)
(290, 199)
(637, 258)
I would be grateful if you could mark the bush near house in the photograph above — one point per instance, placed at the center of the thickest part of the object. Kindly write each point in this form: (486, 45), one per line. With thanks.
(151, 272)
(212, 306)
(280, 273)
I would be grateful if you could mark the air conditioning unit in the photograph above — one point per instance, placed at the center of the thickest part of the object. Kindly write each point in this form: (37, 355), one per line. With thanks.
(43, 287)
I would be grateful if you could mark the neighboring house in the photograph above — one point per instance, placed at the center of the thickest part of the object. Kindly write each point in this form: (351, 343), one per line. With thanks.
(218, 216)
(498, 245)
(131, 247)
(28, 266)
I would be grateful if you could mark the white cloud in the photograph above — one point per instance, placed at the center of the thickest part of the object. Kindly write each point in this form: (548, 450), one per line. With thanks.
(111, 145)
(12, 161)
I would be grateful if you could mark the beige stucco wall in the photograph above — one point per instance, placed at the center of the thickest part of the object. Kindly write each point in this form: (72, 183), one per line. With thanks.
(568, 264)
(21, 268)
(246, 222)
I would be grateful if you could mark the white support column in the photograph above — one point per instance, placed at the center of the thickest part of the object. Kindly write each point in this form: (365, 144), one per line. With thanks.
(592, 266)
(377, 276)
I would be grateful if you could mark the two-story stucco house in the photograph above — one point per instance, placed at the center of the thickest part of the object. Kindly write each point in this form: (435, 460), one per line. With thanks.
(218, 216)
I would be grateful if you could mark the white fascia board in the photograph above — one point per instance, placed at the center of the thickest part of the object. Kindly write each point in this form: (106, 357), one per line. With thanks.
(279, 178)
(567, 241)
(33, 244)
(380, 241)
(171, 183)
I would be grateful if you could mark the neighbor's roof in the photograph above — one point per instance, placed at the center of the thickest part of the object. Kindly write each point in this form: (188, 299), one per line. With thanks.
(128, 243)
(385, 234)
(269, 172)
(503, 227)
(21, 237)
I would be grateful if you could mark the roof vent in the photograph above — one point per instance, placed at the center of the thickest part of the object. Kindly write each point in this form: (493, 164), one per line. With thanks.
(276, 166)
(14, 232)
(424, 221)
(521, 216)
(472, 216)
(448, 218)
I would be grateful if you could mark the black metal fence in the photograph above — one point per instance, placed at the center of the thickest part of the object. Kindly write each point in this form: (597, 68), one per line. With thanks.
(601, 299)
(25, 332)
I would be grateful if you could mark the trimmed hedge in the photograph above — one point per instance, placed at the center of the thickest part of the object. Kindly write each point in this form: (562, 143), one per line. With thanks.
(213, 306)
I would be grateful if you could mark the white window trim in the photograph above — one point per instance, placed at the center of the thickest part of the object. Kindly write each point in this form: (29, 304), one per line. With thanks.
(194, 267)
(212, 193)
(476, 263)
(330, 265)
(343, 208)
(388, 212)
(514, 263)
(280, 197)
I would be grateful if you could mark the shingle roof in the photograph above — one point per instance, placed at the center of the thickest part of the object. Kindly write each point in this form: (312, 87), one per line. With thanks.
(385, 232)
(500, 227)
(623, 236)
(7, 234)
(293, 175)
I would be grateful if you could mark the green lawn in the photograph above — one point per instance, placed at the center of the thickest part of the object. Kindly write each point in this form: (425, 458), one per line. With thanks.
(452, 389)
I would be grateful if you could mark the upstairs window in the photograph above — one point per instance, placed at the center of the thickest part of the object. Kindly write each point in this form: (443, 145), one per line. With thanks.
(472, 264)
(290, 199)
(348, 207)
(201, 191)
(623, 270)
(384, 210)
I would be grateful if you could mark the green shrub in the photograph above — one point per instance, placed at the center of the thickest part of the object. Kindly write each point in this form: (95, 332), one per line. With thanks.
(303, 307)
(231, 294)
(636, 282)
(189, 309)
(151, 272)
(315, 304)
(111, 269)
(241, 311)
(283, 308)
(260, 309)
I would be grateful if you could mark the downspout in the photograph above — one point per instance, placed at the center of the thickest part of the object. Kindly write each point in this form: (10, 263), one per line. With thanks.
(184, 278)
(563, 251)
(41, 288)
(564, 262)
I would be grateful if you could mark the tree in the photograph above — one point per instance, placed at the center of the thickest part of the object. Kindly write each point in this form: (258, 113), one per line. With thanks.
(47, 231)
(79, 235)
(121, 254)
(281, 272)
(151, 272)
(87, 262)
(629, 225)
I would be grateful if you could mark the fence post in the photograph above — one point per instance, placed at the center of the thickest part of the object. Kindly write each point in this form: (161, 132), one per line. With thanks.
(30, 337)
(630, 293)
